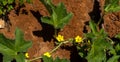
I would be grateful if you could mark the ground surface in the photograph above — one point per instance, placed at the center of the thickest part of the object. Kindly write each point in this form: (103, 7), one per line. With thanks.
(28, 20)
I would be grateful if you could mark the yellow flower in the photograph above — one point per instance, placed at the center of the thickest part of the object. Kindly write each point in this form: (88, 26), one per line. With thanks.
(78, 39)
(26, 55)
(60, 38)
(47, 54)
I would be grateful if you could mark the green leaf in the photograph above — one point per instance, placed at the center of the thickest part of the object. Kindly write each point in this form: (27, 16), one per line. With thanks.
(10, 1)
(57, 60)
(60, 60)
(48, 4)
(20, 44)
(81, 54)
(111, 5)
(4, 2)
(89, 35)
(117, 36)
(65, 60)
(116, 9)
(114, 58)
(117, 47)
(61, 11)
(1, 11)
(58, 14)
(65, 20)
(6, 50)
(7, 58)
(14, 49)
(46, 20)
(54, 19)
(98, 50)
(97, 53)
(20, 57)
(10, 7)
(19, 39)
(7, 45)
(25, 46)
(93, 27)
(47, 59)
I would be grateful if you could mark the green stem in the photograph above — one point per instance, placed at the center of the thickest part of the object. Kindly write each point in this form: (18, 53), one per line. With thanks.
(50, 51)
(55, 33)
(56, 47)
(35, 58)
(112, 42)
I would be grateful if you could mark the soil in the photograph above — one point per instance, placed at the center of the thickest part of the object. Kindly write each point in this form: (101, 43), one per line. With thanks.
(28, 20)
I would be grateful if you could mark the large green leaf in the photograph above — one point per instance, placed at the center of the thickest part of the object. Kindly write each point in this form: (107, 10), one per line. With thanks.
(65, 20)
(61, 11)
(47, 59)
(93, 27)
(14, 49)
(24, 47)
(19, 39)
(6, 45)
(97, 53)
(47, 20)
(54, 20)
(6, 50)
(20, 57)
(98, 50)
(59, 16)
(7, 58)
(48, 4)
(20, 44)
(114, 59)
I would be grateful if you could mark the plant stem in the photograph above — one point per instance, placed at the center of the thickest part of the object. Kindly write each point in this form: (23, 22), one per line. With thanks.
(56, 47)
(50, 51)
(55, 33)
(112, 42)
(35, 58)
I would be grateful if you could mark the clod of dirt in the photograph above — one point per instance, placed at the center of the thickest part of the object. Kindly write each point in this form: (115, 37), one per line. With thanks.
(111, 23)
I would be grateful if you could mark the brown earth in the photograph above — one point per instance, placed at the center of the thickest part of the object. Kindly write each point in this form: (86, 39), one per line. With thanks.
(28, 20)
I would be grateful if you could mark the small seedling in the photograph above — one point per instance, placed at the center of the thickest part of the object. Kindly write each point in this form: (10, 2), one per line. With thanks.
(59, 16)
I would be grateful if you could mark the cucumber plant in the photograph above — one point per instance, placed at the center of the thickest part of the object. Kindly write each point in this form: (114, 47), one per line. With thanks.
(59, 16)
(14, 48)
(98, 47)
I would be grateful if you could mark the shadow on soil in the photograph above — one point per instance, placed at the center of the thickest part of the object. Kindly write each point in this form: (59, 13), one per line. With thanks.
(1, 57)
(47, 31)
(95, 14)
(74, 57)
